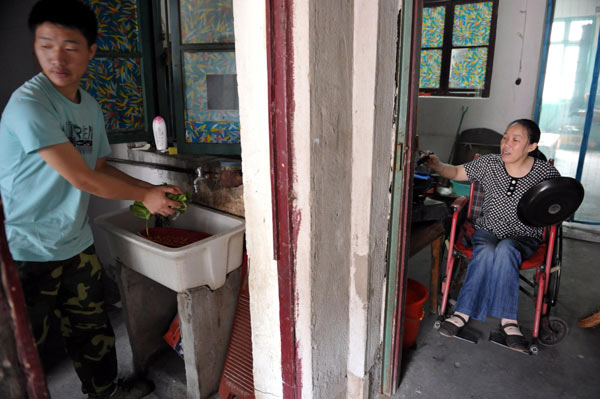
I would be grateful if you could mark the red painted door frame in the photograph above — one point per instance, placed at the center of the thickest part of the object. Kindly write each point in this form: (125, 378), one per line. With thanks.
(399, 242)
(26, 349)
(280, 62)
(409, 168)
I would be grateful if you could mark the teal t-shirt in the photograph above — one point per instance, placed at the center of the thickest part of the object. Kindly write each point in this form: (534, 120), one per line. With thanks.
(46, 216)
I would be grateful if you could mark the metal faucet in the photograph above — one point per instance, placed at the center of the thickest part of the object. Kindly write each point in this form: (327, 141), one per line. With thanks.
(200, 179)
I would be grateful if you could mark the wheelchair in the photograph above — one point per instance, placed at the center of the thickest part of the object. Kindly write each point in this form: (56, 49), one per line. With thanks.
(546, 205)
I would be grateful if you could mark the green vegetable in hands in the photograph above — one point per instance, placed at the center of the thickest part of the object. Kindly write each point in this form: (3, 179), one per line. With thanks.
(140, 210)
(182, 198)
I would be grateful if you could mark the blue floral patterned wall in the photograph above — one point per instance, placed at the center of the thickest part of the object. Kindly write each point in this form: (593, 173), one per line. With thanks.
(116, 85)
(207, 21)
(204, 125)
(116, 82)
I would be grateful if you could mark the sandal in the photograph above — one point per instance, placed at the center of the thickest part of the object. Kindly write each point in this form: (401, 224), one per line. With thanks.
(515, 341)
(449, 329)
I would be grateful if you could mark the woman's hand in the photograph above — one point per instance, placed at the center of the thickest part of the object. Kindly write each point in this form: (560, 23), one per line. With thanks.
(157, 202)
(433, 161)
(445, 170)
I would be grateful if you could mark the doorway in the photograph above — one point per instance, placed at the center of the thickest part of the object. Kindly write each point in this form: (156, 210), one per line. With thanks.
(568, 111)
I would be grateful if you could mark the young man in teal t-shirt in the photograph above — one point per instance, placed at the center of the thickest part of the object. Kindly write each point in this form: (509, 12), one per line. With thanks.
(53, 149)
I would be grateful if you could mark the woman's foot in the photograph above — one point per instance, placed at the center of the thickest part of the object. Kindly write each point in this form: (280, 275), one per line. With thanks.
(453, 324)
(514, 338)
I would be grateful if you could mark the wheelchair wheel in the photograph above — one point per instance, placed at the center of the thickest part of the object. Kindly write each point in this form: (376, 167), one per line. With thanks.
(552, 331)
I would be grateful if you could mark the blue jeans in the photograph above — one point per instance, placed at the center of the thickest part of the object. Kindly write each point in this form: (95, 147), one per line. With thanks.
(491, 287)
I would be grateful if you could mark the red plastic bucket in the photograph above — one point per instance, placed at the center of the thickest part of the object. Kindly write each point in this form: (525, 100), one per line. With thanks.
(416, 295)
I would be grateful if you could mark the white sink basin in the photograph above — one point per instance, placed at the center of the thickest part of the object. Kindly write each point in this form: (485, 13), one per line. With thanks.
(205, 262)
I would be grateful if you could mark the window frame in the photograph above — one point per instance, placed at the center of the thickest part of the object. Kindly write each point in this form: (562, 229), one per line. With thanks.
(567, 43)
(443, 90)
(177, 51)
(148, 76)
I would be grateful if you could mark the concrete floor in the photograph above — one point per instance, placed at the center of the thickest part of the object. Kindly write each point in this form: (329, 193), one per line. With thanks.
(62, 380)
(444, 367)
(441, 367)
(169, 377)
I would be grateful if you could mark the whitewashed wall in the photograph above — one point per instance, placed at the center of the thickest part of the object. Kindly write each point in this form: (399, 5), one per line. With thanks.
(251, 64)
(517, 54)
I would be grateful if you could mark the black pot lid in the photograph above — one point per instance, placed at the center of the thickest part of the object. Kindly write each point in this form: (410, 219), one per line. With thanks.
(550, 202)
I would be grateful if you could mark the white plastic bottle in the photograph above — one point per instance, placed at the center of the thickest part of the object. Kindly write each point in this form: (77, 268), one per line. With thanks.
(159, 128)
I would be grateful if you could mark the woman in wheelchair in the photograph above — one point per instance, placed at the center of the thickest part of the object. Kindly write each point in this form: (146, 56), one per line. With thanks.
(500, 240)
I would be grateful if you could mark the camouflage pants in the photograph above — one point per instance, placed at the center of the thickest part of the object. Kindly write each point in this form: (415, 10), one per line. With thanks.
(72, 290)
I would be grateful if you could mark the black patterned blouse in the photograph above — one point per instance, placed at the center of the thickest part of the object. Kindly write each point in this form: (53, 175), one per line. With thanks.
(503, 192)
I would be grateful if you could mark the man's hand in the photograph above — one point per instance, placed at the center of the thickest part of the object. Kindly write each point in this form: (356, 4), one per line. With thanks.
(157, 202)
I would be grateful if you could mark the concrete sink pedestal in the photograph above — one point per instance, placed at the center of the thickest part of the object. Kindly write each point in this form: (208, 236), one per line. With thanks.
(206, 319)
(199, 281)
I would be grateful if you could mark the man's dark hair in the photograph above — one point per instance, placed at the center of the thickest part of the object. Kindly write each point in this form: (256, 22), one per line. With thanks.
(68, 13)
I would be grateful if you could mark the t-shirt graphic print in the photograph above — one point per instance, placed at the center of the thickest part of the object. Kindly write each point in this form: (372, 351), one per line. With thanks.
(82, 137)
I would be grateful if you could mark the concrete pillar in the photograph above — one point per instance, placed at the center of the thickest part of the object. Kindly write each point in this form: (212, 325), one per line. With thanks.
(148, 308)
(342, 139)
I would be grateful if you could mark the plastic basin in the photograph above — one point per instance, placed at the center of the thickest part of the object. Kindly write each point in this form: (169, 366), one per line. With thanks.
(461, 188)
(205, 262)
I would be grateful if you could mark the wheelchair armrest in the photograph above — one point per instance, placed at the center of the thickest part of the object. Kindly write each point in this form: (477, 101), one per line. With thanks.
(459, 204)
